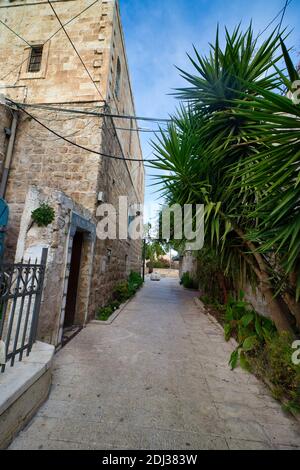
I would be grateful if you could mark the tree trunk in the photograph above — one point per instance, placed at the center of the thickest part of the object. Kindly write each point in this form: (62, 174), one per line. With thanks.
(278, 316)
(293, 306)
(261, 269)
(222, 285)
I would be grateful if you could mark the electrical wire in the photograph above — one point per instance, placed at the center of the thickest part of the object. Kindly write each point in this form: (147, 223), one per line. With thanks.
(283, 14)
(275, 18)
(52, 117)
(15, 33)
(72, 19)
(65, 24)
(283, 10)
(91, 78)
(140, 129)
(32, 4)
(74, 47)
(114, 157)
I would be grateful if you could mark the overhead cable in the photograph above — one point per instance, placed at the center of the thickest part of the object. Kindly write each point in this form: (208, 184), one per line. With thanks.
(114, 157)
(65, 24)
(76, 51)
(91, 113)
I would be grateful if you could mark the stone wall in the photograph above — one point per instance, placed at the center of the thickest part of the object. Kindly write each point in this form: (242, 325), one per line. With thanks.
(256, 299)
(62, 74)
(54, 166)
(122, 102)
(42, 159)
(55, 237)
(98, 37)
(189, 264)
(114, 181)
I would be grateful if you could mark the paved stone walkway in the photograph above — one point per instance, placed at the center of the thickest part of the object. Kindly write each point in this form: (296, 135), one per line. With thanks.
(156, 378)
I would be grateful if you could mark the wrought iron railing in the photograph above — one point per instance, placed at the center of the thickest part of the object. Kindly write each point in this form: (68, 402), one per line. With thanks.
(21, 286)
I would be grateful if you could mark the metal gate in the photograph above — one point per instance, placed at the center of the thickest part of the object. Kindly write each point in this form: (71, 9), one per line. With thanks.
(21, 287)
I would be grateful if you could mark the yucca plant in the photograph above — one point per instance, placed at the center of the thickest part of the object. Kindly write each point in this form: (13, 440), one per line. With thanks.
(274, 121)
(209, 152)
(223, 75)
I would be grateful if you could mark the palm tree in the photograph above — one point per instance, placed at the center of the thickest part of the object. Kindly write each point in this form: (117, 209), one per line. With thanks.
(209, 154)
(274, 121)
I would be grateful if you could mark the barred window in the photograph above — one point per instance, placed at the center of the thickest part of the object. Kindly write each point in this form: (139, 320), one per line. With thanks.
(35, 60)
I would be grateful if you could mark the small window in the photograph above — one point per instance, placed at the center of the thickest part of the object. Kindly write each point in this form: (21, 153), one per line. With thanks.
(35, 60)
(118, 79)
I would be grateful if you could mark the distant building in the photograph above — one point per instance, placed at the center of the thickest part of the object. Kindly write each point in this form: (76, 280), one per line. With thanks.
(44, 69)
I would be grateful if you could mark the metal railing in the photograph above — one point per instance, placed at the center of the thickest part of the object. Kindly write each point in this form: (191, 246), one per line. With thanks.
(21, 287)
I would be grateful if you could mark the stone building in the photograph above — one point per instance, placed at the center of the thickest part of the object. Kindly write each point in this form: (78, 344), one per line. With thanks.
(41, 69)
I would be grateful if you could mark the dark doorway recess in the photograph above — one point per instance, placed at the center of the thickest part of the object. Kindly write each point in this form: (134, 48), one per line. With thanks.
(70, 311)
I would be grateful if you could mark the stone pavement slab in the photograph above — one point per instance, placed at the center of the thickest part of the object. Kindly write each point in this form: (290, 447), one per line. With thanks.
(156, 378)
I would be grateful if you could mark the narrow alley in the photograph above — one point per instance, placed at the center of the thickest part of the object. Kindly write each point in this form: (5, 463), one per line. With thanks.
(156, 378)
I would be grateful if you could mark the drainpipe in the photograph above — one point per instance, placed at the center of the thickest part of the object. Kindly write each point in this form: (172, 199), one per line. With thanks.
(9, 153)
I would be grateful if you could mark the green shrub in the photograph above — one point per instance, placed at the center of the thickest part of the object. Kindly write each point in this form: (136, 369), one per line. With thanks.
(250, 329)
(115, 304)
(161, 263)
(135, 281)
(43, 215)
(187, 281)
(104, 313)
(213, 282)
(121, 291)
(263, 351)
(276, 358)
(126, 289)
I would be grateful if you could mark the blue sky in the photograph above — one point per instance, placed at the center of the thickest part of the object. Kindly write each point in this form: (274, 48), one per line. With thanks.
(158, 34)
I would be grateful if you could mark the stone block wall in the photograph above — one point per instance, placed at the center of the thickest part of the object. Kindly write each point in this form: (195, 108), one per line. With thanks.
(56, 238)
(189, 264)
(42, 159)
(126, 255)
(98, 37)
(62, 74)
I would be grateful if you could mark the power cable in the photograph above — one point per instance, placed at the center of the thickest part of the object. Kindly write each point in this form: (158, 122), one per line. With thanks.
(65, 24)
(283, 10)
(283, 14)
(90, 113)
(275, 18)
(15, 33)
(52, 116)
(81, 146)
(72, 19)
(136, 130)
(78, 55)
(31, 4)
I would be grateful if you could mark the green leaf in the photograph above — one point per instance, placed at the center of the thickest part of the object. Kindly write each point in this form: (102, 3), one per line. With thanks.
(229, 313)
(233, 362)
(241, 295)
(247, 319)
(244, 363)
(250, 343)
(293, 74)
(258, 327)
(227, 331)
